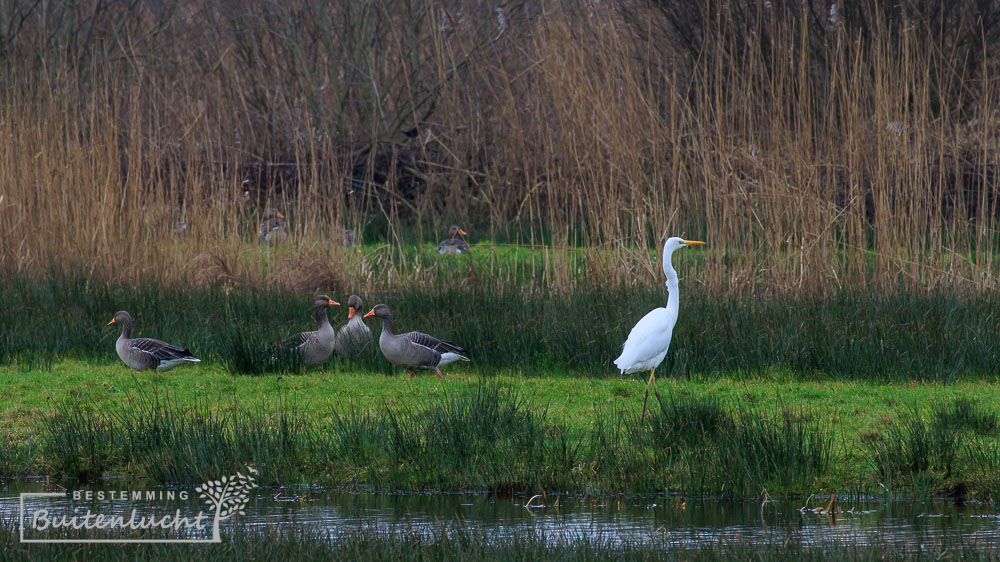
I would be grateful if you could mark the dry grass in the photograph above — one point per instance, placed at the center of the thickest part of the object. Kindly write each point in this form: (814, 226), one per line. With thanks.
(811, 157)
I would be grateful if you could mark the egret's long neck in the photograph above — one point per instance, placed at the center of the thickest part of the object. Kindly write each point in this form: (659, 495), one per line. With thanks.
(674, 293)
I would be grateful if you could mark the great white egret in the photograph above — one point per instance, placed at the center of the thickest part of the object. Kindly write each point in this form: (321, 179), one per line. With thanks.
(649, 339)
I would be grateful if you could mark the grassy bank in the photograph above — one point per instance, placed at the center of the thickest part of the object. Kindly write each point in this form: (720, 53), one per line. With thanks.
(454, 541)
(512, 432)
(849, 335)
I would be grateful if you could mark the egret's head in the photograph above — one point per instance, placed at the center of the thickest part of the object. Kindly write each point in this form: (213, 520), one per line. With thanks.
(677, 243)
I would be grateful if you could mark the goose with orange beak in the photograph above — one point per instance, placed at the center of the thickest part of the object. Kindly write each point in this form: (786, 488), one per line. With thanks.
(414, 350)
(649, 339)
(315, 347)
(354, 336)
(454, 244)
(273, 228)
(146, 353)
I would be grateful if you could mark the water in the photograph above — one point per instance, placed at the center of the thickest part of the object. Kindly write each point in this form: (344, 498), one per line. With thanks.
(909, 525)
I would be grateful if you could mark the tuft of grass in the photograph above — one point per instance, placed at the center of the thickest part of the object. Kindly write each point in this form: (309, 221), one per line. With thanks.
(764, 452)
(910, 450)
(80, 442)
(16, 456)
(965, 415)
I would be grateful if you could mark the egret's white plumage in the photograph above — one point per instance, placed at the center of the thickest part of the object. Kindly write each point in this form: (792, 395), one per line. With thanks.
(649, 339)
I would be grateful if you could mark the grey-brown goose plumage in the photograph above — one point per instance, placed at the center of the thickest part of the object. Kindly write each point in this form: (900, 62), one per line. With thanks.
(355, 335)
(454, 244)
(273, 228)
(414, 350)
(315, 347)
(146, 353)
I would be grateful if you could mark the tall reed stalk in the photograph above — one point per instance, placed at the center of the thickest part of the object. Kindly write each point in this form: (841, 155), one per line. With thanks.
(815, 149)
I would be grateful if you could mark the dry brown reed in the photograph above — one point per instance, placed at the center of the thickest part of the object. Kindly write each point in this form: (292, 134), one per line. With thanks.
(143, 143)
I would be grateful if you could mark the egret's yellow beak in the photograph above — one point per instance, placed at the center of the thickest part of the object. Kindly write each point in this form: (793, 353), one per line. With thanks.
(350, 312)
(112, 322)
(370, 313)
(334, 303)
(694, 243)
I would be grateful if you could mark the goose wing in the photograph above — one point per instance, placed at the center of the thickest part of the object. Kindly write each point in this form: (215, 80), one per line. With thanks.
(426, 340)
(159, 350)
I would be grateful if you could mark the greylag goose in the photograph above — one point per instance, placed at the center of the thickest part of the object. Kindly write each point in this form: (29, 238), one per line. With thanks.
(454, 244)
(355, 335)
(414, 350)
(315, 347)
(273, 228)
(350, 240)
(147, 353)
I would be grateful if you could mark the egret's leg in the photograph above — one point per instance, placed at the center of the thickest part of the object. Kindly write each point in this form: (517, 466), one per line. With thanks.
(656, 390)
(646, 395)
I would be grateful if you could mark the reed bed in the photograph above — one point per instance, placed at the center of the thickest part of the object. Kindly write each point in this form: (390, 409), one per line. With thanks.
(818, 148)
(855, 335)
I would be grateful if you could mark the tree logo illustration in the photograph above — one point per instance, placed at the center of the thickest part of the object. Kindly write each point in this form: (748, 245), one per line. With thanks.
(228, 496)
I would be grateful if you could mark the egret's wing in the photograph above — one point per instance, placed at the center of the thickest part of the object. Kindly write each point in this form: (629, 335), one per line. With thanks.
(649, 338)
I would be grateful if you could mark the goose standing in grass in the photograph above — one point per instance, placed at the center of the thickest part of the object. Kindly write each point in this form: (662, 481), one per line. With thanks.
(273, 228)
(355, 335)
(414, 350)
(454, 244)
(315, 347)
(146, 353)
(648, 341)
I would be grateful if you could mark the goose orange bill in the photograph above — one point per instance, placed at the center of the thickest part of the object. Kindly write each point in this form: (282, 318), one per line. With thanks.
(334, 303)
(112, 322)
(694, 242)
(280, 216)
(370, 313)
(462, 232)
(350, 312)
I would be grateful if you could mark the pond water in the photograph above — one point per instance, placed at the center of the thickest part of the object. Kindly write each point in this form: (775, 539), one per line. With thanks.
(910, 525)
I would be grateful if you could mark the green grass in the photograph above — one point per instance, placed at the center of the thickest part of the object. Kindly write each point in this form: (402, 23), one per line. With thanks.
(510, 431)
(850, 335)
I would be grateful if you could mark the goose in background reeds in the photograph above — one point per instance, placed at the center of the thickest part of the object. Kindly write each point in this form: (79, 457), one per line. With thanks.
(315, 347)
(146, 353)
(454, 244)
(414, 350)
(353, 336)
(273, 228)
(349, 240)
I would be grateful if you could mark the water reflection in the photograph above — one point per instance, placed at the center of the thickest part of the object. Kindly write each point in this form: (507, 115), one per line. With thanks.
(616, 519)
